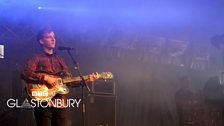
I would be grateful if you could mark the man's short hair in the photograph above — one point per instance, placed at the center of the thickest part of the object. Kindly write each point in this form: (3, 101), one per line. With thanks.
(43, 31)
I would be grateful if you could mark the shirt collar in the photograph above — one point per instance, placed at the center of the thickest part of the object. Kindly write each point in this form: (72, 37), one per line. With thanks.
(47, 54)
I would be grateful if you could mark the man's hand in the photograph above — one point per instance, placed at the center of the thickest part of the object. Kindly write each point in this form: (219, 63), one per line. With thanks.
(50, 80)
(93, 77)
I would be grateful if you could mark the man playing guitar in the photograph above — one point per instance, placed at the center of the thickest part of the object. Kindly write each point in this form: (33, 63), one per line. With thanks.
(49, 62)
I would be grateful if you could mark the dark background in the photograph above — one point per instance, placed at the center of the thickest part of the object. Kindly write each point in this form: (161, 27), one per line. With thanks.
(147, 45)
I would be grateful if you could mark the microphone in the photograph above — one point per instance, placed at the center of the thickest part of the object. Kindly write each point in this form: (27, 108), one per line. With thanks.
(65, 48)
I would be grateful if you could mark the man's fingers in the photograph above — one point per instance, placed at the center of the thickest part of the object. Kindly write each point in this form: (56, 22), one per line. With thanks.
(93, 77)
(53, 84)
(97, 75)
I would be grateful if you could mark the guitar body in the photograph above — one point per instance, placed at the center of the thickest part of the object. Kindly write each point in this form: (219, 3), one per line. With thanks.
(45, 92)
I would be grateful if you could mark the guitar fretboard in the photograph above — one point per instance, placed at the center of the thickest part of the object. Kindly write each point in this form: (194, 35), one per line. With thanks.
(74, 79)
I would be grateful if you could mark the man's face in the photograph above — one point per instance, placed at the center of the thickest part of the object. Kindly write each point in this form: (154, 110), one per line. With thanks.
(48, 40)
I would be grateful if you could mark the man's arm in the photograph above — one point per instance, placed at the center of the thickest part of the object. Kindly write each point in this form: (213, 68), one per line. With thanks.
(28, 74)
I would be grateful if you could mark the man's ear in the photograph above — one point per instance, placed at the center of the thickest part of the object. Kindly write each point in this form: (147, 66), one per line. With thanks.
(41, 42)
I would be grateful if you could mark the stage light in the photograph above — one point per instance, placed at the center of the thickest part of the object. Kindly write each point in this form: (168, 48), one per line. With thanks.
(1, 51)
(39, 7)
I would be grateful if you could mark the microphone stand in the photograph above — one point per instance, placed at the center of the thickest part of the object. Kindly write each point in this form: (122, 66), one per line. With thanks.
(83, 84)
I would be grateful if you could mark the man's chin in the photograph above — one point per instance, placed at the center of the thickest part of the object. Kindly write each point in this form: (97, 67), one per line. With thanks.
(51, 47)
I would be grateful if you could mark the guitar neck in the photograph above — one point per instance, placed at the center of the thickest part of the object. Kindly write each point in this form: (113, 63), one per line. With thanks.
(103, 75)
(74, 79)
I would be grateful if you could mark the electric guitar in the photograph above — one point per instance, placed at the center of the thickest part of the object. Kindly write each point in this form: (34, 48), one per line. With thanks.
(45, 92)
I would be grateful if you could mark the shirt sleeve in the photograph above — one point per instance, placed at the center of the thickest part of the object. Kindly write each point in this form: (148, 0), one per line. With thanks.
(28, 73)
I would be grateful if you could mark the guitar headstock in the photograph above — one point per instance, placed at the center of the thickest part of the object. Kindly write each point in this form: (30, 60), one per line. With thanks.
(106, 75)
